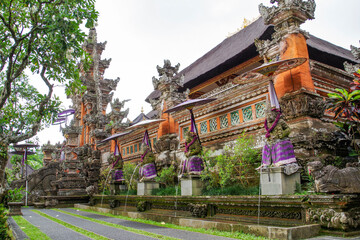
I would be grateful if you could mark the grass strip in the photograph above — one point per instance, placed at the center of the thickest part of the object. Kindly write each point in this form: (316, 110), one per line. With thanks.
(134, 230)
(74, 228)
(29, 229)
(236, 235)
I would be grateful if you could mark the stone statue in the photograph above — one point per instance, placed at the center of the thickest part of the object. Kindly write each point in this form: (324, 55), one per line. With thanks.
(278, 149)
(147, 169)
(193, 165)
(192, 145)
(331, 179)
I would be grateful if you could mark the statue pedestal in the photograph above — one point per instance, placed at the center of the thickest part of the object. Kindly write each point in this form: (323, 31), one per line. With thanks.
(191, 186)
(116, 187)
(144, 188)
(273, 181)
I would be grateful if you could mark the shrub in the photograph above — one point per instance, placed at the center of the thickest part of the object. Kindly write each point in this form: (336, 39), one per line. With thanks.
(15, 195)
(129, 171)
(3, 228)
(167, 191)
(235, 166)
(167, 176)
(104, 181)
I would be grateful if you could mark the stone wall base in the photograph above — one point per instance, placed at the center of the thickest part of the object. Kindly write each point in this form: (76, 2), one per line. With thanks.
(273, 181)
(145, 188)
(191, 186)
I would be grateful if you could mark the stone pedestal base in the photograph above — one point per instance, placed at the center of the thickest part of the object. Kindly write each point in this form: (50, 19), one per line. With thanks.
(144, 188)
(191, 186)
(14, 208)
(117, 187)
(273, 181)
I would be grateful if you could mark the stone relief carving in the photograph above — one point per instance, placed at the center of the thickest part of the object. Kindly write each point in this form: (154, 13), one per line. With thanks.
(295, 105)
(330, 218)
(198, 210)
(331, 179)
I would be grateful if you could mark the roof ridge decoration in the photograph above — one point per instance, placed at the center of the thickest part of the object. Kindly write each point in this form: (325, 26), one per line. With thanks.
(350, 68)
(168, 84)
(286, 17)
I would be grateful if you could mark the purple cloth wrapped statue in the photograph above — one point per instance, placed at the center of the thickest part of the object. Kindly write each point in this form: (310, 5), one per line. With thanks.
(118, 175)
(278, 149)
(148, 171)
(193, 165)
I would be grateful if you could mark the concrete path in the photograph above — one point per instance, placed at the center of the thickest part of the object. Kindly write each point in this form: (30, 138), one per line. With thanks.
(103, 230)
(59, 232)
(52, 229)
(181, 234)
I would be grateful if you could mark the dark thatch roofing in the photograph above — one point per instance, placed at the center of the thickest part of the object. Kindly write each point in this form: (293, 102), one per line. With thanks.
(328, 53)
(152, 114)
(229, 53)
(240, 47)
(139, 118)
(154, 95)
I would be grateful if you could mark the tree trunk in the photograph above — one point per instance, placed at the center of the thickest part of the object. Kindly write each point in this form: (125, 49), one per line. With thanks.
(3, 161)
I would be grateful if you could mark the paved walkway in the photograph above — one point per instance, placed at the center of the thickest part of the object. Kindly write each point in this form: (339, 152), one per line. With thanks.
(59, 232)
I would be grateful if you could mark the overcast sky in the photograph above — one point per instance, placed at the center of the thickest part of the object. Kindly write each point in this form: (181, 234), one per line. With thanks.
(140, 34)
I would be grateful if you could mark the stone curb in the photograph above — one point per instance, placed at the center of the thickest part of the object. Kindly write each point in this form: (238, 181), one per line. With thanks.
(286, 233)
(18, 234)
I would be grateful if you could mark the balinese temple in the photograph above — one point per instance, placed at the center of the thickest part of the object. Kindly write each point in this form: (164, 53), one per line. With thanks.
(302, 91)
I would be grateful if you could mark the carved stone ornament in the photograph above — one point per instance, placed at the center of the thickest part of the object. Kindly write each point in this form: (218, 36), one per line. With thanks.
(168, 83)
(286, 17)
(198, 210)
(302, 104)
(350, 68)
(302, 10)
(331, 179)
(355, 52)
(329, 218)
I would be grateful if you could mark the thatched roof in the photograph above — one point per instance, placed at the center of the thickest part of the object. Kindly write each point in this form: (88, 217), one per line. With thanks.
(240, 47)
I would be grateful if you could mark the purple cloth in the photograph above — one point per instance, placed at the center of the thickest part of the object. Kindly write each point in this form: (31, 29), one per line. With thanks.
(118, 175)
(193, 165)
(278, 154)
(148, 171)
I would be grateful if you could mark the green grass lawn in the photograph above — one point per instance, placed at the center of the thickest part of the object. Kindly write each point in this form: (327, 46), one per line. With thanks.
(237, 235)
(74, 228)
(134, 230)
(30, 230)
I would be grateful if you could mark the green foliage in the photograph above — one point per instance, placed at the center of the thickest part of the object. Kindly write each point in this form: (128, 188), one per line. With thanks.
(11, 174)
(22, 108)
(47, 41)
(235, 166)
(104, 181)
(15, 195)
(231, 190)
(128, 171)
(30, 230)
(167, 176)
(35, 161)
(167, 191)
(3, 218)
(345, 104)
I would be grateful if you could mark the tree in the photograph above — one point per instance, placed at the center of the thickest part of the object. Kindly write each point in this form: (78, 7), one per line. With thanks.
(43, 37)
